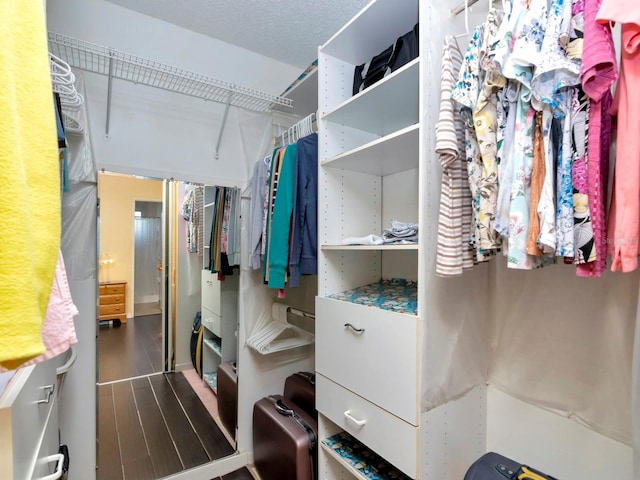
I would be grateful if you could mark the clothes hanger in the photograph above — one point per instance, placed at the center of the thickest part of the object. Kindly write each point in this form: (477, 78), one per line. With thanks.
(466, 20)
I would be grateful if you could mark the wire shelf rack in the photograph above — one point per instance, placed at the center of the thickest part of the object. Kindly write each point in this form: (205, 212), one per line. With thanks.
(107, 61)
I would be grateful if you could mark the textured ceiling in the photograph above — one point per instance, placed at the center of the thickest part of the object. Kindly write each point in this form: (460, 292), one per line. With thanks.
(287, 30)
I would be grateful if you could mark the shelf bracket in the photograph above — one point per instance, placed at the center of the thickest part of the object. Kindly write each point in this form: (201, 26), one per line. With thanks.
(109, 85)
(224, 122)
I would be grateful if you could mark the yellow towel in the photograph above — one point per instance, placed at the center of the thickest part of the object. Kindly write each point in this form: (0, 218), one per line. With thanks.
(30, 187)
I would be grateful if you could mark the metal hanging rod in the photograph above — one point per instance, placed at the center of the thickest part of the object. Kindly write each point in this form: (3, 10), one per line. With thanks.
(113, 63)
(460, 8)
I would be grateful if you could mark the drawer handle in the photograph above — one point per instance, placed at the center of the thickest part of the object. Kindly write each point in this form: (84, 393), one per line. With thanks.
(354, 329)
(49, 389)
(350, 417)
(59, 458)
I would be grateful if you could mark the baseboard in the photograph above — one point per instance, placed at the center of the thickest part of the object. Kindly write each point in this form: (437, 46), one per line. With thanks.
(147, 299)
(180, 367)
(214, 469)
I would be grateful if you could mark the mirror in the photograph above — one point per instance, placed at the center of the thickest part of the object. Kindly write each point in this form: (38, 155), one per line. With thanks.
(156, 415)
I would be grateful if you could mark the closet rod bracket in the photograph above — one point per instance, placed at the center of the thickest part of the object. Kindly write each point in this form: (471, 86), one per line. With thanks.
(224, 122)
(109, 86)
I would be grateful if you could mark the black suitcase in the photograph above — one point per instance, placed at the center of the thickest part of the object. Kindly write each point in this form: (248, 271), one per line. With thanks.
(285, 440)
(228, 397)
(493, 466)
(300, 388)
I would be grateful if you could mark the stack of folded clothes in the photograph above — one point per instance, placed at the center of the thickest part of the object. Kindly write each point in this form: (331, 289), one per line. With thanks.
(400, 233)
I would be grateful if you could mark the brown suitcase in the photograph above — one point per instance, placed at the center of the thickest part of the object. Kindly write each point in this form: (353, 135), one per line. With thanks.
(285, 445)
(300, 388)
(228, 397)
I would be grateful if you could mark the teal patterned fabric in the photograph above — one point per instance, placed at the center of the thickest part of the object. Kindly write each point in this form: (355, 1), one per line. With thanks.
(368, 463)
(211, 379)
(215, 344)
(395, 294)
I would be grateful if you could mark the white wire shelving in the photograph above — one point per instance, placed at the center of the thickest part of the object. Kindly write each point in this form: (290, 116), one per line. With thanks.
(113, 63)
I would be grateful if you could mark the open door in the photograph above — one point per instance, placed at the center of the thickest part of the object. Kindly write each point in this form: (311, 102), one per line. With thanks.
(169, 272)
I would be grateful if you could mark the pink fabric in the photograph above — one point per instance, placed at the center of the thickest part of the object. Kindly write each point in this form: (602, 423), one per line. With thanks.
(58, 331)
(624, 221)
(598, 73)
(622, 11)
(599, 68)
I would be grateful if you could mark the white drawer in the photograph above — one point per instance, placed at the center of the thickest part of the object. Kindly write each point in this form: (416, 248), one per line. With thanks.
(211, 321)
(390, 437)
(380, 363)
(211, 292)
(24, 410)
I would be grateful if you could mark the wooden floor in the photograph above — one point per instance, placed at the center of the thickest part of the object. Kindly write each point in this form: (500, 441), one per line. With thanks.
(130, 350)
(152, 426)
(155, 426)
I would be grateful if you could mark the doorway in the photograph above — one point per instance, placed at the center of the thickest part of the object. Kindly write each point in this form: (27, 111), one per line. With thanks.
(147, 258)
(130, 342)
(152, 419)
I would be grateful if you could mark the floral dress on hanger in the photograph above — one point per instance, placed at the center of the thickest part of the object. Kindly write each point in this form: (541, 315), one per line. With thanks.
(485, 120)
(466, 92)
(517, 61)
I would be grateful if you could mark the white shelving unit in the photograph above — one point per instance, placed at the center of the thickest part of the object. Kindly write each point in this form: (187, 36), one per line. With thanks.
(219, 307)
(378, 370)
(370, 173)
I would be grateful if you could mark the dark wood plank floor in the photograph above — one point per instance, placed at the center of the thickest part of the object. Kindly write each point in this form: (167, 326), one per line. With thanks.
(242, 474)
(130, 350)
(155, 426)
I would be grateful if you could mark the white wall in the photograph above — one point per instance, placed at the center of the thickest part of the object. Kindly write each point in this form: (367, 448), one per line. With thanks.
(153, 132)
(551, 443)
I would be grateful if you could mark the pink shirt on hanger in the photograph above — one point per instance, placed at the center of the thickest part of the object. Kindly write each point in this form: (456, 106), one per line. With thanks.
(624, 219)
(622, 11)
(598, 74)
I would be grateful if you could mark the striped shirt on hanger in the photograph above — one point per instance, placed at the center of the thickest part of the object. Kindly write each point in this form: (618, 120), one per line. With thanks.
(454, 252)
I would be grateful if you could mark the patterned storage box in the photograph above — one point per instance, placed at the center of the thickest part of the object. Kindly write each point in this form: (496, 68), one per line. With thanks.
(366, 462)
(395, 294)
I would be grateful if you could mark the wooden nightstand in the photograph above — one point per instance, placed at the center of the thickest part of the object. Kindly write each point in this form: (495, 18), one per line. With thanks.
(113, 302)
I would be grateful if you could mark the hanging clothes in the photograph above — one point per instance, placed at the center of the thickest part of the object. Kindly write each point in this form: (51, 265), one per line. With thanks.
(30, 201)
(272, 191)
(259, 192)
(58, 331)
(192, 209)
(465, 92)
(624, 225)
(598, 74)
(303, 258)
(277, 256)
(224, 239)
(454, 251)
(535, 192)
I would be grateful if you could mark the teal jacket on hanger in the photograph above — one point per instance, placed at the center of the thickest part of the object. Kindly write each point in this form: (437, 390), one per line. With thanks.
(278, 238)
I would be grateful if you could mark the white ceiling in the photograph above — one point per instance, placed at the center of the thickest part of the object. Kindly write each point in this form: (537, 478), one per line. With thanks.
(287, 30)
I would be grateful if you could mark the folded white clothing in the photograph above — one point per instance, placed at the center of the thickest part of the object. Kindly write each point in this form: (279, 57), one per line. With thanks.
(397, 226)
(368, 240)
(401, 241)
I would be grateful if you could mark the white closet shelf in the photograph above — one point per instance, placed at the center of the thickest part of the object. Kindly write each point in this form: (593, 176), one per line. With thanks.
(386, 107)
(104, 60)
(357, 42)
(394, 153)
(413, 246)
(213, 346)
